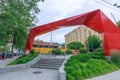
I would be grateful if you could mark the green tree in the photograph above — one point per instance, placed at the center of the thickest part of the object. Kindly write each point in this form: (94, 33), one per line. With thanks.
(68, 51)
(15, 17)
(63, 46)
(22, 40)
(118, 24)
(83, 50)
(75, 45)
(3, 36)
(57, 51)
(92, 43)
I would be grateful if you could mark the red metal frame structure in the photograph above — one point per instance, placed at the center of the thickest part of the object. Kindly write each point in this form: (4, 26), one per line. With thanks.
(95, 20)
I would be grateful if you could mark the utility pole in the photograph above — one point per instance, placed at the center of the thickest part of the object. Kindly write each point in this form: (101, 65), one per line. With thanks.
(51, 38)
(51, 54)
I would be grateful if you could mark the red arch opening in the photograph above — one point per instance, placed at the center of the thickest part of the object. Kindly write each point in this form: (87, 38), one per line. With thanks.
(95, 20)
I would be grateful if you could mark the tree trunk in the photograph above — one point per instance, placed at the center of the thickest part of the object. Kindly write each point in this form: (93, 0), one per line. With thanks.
(13, 43)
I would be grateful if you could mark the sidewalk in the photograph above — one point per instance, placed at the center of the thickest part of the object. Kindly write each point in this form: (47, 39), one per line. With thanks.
(28, 74)
(111, 76)
(6, 61)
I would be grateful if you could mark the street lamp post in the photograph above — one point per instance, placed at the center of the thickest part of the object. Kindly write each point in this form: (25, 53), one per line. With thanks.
(51, 44)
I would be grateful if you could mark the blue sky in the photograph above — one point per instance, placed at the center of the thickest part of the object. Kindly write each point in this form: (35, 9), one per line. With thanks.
(52, 10)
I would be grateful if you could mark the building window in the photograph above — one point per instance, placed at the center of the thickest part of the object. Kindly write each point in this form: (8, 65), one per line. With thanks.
(90, 33)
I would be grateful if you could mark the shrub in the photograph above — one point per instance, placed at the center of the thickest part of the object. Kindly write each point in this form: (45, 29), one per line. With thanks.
(78, 75)
(68, 51)
(24, 58)
(57, 51)
(75, 45)
(69, 69)
(115, 58)
(83, 57)
(98, 54)
(84, 73)
(99, 50)
(71, 62)
(69, 77)
(82, 50)
(82, 66)
(32, 51)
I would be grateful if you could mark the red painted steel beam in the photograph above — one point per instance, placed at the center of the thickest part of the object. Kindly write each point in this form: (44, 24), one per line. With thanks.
(95, 20)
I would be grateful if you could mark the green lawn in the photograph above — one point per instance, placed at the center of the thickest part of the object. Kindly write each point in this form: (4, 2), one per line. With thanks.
(24, 58)
(82, 66)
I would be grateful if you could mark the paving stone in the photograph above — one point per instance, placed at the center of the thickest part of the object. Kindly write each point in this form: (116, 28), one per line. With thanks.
(28, 74)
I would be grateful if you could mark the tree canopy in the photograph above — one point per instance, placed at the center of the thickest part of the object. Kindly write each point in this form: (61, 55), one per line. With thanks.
(63, 45)
(75, 45)
(93, 42)
(15, 17)
(118, 24)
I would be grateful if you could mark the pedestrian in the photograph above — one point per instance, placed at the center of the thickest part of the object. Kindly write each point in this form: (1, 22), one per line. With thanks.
(0, 55)
(3, 55)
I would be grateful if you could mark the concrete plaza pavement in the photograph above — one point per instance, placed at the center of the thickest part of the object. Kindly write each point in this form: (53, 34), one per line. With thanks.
(3, 63)
(110, 76)
(28, 74)
(46, 74)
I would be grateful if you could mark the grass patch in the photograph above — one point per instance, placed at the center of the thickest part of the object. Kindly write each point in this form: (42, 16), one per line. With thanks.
(24, 58)
(82, 66)
(115, 58)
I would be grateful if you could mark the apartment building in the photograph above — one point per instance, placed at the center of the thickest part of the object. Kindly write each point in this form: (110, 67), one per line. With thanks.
(80, 34)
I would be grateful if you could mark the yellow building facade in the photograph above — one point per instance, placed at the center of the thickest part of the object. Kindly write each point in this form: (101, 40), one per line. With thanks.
(45, 47)
(80, 34)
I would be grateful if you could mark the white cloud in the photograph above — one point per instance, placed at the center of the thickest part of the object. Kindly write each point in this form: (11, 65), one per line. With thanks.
(57, 35)
(52, 10)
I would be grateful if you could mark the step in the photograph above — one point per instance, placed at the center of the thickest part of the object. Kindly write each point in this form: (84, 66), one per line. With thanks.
(45, 67)
(51, 60)
(48, 62)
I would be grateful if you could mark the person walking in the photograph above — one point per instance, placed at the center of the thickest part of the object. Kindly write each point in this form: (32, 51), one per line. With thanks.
(3, 55)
